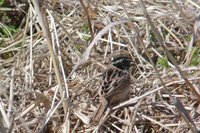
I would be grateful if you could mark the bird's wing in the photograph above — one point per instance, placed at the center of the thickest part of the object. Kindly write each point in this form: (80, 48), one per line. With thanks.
(114, 80)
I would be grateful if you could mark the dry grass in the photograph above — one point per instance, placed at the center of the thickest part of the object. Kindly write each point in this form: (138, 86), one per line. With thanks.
(51, 82)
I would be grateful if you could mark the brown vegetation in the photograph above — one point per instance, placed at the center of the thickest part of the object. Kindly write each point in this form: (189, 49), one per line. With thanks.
(50, 70)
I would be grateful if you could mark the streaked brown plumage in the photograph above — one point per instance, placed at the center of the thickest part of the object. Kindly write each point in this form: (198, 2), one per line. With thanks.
(115, 85)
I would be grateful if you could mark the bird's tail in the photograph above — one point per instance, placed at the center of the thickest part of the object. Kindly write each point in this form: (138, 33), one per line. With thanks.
(100, 110)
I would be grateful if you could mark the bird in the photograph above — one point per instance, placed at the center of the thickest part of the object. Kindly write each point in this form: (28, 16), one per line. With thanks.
(115, 87)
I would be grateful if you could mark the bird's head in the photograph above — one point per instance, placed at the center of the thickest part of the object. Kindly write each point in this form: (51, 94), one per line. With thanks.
(122, 62)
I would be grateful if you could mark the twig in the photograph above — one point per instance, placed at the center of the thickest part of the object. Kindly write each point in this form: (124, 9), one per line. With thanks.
(171, 58)
(185, 115)
(88, 18)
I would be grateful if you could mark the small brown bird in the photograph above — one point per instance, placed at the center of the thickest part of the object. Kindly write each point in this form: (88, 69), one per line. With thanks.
(115, 87)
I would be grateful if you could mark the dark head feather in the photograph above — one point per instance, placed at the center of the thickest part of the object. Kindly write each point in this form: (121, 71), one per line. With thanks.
(122, 62)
